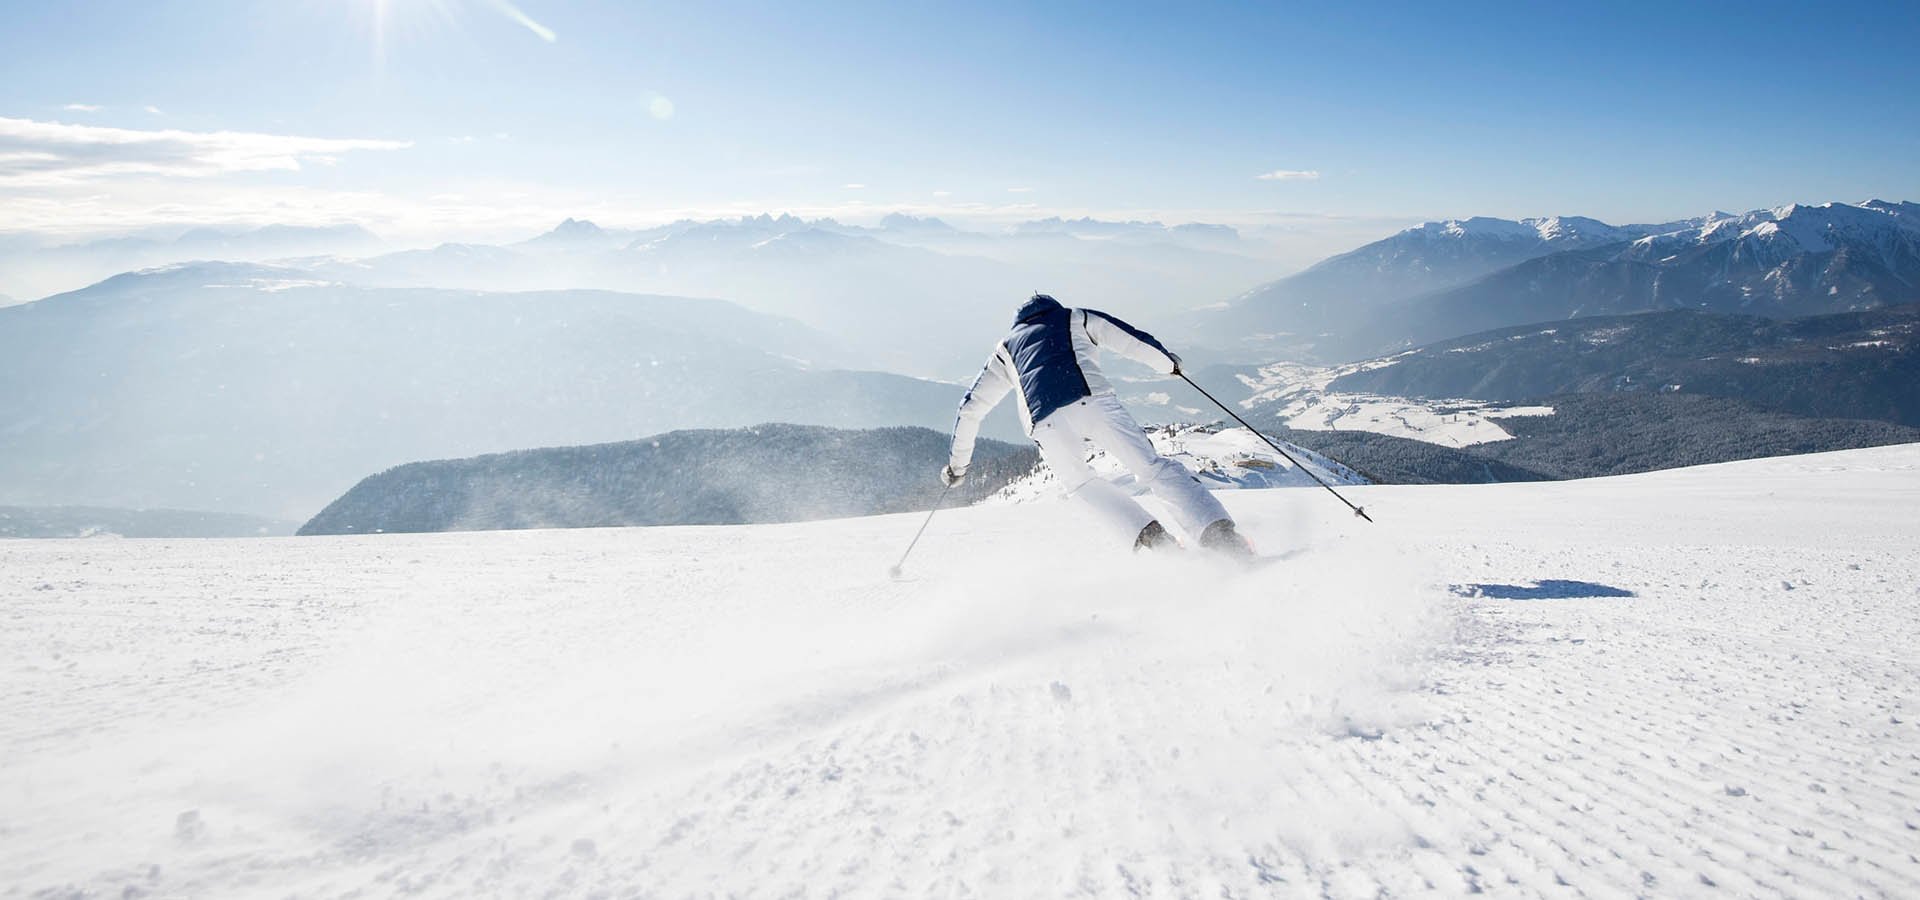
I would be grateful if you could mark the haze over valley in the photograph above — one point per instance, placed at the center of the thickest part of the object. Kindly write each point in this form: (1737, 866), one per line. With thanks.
(268, 388)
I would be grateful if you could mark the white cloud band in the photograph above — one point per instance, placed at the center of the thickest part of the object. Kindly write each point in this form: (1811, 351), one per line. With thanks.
(1289, 175)
(34, 153)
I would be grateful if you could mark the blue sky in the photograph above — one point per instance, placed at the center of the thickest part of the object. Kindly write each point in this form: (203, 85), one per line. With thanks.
(483, 117)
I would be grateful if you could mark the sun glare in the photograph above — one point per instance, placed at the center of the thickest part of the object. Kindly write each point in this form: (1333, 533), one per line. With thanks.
(391, 22)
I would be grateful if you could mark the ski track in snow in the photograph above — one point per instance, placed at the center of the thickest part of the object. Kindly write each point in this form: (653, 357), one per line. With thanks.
(758, 711)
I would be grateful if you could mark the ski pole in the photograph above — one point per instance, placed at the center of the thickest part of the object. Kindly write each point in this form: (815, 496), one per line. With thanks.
(1236, 417)
(895, 571)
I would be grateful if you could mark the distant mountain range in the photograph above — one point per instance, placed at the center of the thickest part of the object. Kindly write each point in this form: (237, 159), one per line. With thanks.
(1861, 365)
(99, 522)
(911, 294)
(899, 307)
(1590, 435)
(915, 295)
(29, 272)
(767, 473)
(258, 389)
(1444, 279)
(1606, 395)
(1308, 315)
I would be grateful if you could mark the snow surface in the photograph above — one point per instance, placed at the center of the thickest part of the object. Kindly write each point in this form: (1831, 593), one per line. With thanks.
(1688, 683)
(1297, 395)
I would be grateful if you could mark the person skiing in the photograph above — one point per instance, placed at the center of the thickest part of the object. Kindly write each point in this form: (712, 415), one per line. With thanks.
(1048, 363)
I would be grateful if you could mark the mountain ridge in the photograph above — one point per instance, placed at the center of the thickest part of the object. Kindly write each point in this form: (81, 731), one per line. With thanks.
(773, 472)
(1442, 279)
(231, 387)
(1853, 365)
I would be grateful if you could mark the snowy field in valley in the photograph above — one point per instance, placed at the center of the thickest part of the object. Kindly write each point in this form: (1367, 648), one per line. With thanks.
(1690, 683)
(1297, 396)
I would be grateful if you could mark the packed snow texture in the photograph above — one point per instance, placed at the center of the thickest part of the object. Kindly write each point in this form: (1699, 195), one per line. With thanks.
(1687, 683)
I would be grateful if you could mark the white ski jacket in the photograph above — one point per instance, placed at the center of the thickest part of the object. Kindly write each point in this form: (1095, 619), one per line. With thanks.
(1048, 361)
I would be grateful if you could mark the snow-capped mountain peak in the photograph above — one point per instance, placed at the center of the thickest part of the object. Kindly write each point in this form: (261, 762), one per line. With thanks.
(1796, 259)
(1576, 228)
(1789, 230)
(1805, 238)
(1477, 226)
(1555, 230)
(1784, 231)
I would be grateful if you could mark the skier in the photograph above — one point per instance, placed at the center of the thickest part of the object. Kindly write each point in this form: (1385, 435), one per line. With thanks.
(1047, 361)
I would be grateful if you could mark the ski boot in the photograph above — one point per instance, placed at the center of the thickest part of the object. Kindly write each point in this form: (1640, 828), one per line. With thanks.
(1154, 537)
(1222, 538)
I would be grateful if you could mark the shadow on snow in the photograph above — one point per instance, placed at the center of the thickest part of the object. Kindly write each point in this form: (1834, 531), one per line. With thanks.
(1546, 589)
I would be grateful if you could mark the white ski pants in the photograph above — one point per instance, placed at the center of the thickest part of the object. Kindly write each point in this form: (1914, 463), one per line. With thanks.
(1102, 420)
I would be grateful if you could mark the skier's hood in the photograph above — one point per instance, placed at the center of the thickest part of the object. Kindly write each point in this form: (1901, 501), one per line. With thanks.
(1041, 304)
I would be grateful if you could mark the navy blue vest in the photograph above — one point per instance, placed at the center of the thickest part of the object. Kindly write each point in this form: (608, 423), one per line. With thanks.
(1043, 357)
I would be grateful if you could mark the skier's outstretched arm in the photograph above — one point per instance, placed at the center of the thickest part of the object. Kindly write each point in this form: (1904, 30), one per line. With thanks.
(1109, 333)
(994, 382)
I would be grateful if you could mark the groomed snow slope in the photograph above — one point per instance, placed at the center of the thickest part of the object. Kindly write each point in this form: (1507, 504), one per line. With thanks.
(1689, 683)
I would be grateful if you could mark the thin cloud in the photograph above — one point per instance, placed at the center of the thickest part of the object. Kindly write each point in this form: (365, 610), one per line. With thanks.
(787, 170)
(1019, 190)
(854, 187)
(155, 110)
(1289, 175)
(659, 107)
(82, 107)
(34, 153)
